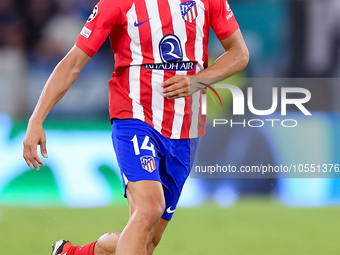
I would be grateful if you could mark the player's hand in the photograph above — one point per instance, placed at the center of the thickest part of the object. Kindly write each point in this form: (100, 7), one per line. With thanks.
(176, 87)
(35, 136)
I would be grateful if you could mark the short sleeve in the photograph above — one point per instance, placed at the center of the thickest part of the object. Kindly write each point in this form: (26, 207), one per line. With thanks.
(222, 19)
(98, 26)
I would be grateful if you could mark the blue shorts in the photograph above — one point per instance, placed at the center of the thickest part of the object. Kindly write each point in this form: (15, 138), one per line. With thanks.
(145, 154)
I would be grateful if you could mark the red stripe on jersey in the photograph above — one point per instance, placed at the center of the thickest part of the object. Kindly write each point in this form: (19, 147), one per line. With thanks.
(169, 104)
(146, 94)
(120, 108)
(144, 31)
(165, 16)
(169, 110)
(186, 119)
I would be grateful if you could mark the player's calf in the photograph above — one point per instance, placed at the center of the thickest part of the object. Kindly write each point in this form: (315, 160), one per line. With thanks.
(107, 244)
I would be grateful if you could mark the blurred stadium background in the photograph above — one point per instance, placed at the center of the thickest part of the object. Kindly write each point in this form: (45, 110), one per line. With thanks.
(78, 194)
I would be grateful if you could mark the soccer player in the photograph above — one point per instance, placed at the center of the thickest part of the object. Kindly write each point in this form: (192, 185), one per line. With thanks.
(159, 46)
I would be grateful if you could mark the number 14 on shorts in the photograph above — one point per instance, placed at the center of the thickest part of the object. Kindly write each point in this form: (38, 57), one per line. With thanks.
(144, 146)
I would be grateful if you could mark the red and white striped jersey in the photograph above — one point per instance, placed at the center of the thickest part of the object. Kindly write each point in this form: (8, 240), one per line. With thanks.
(154, 40)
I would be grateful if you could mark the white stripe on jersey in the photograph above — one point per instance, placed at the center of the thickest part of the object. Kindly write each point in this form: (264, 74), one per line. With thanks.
(134, 72)
(157, 99)
(156, 29)
(134, 35)
(178, 24)
(178, 118)
(157, 78)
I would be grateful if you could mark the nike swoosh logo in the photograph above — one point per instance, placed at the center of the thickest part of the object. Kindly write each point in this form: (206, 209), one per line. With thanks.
(141, 23)
(169, 210)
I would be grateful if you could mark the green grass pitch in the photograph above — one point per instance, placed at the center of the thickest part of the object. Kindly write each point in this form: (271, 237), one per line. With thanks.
(253, 226)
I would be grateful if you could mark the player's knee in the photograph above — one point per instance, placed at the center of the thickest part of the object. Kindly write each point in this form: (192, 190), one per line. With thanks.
(153, 212)
(107, 243)
(150, 213)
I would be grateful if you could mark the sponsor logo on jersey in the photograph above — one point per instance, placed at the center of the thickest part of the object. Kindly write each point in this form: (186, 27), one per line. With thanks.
(148, 163)
(170, 49)
(189, 11)
(140, 23)
(174, 66)
(94, 14)
(86, 32)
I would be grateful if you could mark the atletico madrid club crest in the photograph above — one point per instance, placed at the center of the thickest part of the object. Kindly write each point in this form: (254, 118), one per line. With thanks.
(148, 163)
(189, 11)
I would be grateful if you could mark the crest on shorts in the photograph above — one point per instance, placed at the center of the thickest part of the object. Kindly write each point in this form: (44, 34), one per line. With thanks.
(148, 163)
(189, 11)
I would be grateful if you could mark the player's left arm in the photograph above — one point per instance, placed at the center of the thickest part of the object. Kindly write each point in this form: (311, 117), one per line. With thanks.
(234, 60)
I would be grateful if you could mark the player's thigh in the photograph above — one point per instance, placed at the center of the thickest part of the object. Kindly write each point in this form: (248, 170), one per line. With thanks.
(145, 195)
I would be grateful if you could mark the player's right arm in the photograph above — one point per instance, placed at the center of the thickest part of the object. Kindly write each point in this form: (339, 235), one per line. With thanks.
(61, 79)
